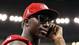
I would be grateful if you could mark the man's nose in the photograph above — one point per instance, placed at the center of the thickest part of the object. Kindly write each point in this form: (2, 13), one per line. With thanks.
(46, 25)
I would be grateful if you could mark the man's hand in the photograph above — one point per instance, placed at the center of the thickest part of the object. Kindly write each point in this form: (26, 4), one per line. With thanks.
(57, 32)
(57, 35)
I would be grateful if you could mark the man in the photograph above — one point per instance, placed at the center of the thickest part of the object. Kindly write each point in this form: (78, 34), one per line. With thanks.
(37, 23)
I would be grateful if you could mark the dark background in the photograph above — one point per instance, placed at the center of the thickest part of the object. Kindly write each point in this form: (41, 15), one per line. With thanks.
(67, 8)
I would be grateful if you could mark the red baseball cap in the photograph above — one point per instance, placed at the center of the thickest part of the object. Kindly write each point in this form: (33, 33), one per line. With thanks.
(39, 8)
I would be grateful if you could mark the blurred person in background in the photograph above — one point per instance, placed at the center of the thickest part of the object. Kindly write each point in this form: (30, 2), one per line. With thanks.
(37, 23)
(16, 40)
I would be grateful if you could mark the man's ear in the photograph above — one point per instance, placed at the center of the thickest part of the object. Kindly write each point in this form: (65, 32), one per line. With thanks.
(23, 23)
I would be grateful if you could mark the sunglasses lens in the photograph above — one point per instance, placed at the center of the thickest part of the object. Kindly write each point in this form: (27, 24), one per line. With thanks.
(43, 18)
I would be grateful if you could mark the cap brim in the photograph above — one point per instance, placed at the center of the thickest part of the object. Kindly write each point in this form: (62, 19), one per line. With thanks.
(50, 13)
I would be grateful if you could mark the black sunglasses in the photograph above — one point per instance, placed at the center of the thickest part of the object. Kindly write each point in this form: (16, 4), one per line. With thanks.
(43, 18)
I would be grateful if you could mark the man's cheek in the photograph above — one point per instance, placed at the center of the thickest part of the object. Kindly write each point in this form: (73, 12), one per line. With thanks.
(33, 24)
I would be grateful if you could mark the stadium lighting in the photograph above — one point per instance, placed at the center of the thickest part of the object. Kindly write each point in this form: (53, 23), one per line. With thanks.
(11, 18)
(76, 20)
(77, 43)
(15, 18)
(58, 21)
(20, 19)
(73, 43)
(67, 20)
(62, 20)
(4, 17)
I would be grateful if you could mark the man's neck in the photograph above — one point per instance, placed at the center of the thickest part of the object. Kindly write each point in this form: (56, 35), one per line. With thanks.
(26, 34)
